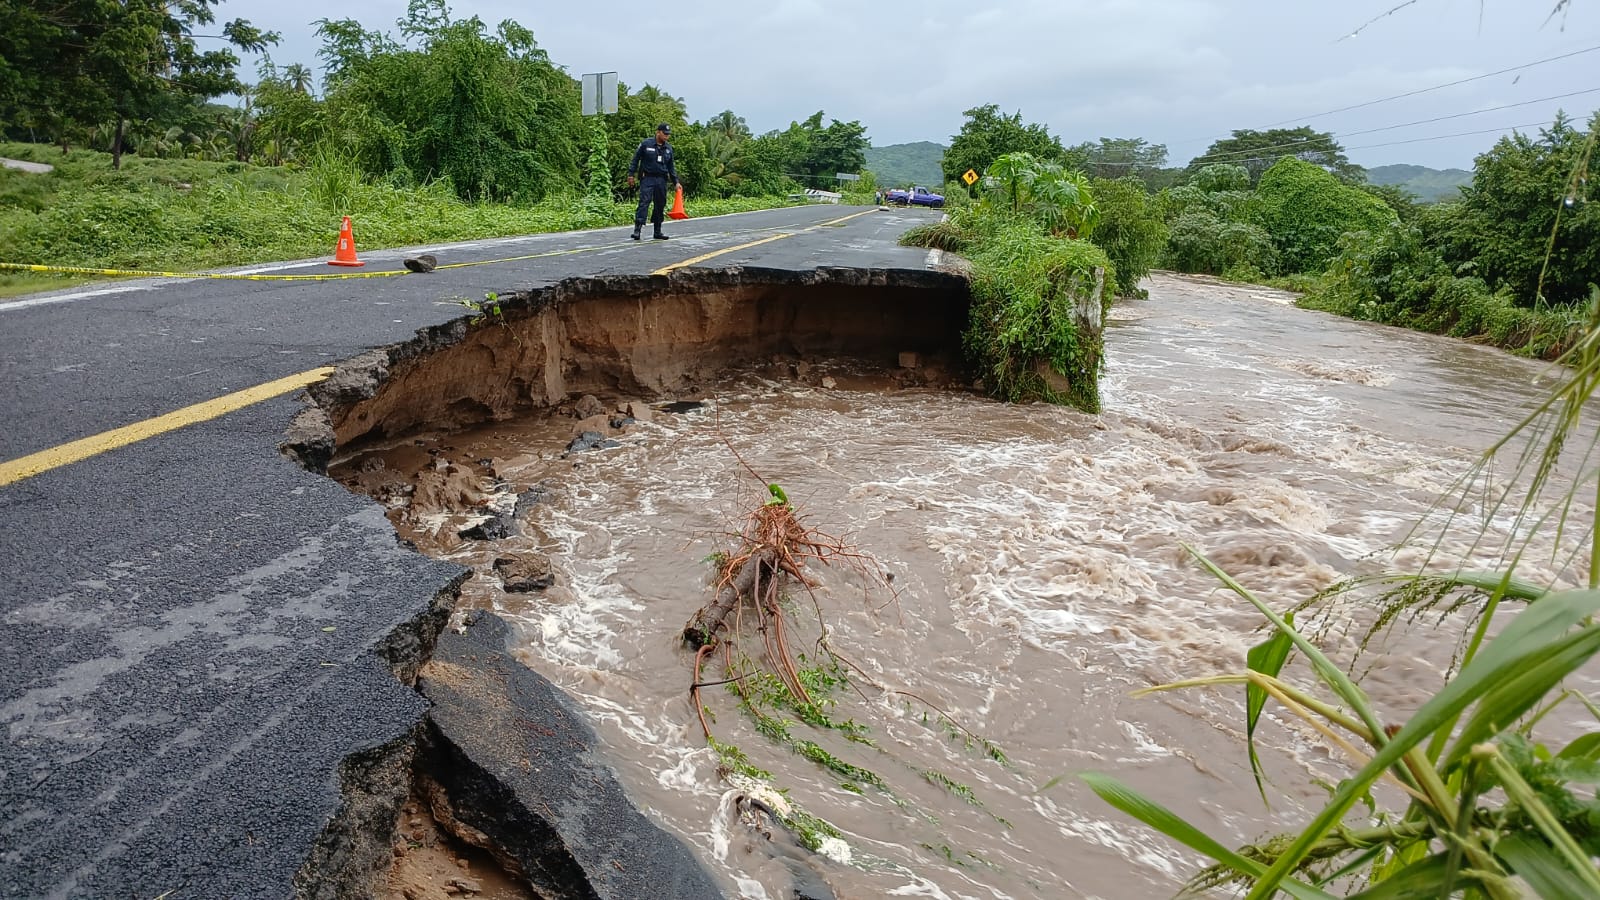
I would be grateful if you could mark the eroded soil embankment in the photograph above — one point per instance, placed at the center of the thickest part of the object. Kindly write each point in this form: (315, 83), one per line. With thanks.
(630, 336)
(620, 337)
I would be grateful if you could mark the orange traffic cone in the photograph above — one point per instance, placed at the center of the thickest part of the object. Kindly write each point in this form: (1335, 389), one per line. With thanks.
(677, 206)
(345, 253)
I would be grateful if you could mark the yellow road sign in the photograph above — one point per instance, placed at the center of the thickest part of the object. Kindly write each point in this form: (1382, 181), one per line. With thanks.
(969, 177)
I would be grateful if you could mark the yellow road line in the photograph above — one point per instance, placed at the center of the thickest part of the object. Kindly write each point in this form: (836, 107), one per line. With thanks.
(766, 240)
(715, 253)
(63, 454)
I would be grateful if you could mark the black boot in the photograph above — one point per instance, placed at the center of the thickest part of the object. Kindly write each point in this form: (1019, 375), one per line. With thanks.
(635, 234)
(659, 236)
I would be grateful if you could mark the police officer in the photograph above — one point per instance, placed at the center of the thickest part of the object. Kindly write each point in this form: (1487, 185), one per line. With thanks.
(653, 162)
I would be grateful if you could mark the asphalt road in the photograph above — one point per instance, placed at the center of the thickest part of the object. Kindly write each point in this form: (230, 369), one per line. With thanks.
(190, 619)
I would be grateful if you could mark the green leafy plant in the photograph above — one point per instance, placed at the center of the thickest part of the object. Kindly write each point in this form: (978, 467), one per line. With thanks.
(1130, 231)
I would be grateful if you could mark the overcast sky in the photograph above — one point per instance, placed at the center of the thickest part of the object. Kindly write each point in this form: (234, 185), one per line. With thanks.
(1177, 72)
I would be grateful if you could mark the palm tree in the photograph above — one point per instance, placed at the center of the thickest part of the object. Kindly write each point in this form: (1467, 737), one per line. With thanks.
(297, 77)
(729, 126)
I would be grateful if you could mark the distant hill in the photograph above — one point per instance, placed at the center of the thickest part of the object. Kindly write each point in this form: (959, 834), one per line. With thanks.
(902, 164)
(1429, 185)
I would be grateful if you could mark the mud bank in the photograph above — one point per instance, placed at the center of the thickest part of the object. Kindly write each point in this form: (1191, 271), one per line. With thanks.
(632, 336)
(503, 762)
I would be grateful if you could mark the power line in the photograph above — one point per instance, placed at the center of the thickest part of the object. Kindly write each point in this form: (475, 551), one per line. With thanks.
(1476, 112)
(1441, 137)
(1436, 87)
(1437, 137)
(1228, 155)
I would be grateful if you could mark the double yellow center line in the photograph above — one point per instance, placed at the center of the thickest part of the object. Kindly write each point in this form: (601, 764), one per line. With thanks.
(33, 464)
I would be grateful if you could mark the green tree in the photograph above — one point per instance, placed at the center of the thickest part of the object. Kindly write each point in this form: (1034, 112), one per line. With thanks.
(288, 119)
(1120, 157)
(88, 61)
(298, 77)
(729, 125)
(46, 85)
(1528, 201)
(840, 147)
(1199, 241)
(1131, 230)
(988, 134)
(1307, 211)
(485, 110)
(1258, 150)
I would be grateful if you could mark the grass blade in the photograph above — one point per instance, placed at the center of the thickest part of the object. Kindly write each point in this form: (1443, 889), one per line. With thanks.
(1527, 636)
(1493, 582)
(1585, 747)
(1518, 690)
(1268, 659)
(1541, 867)
(1335, 677)
(1174, 826)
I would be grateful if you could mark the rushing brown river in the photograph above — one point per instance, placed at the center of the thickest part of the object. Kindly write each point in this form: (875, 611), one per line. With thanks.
(1039, 575)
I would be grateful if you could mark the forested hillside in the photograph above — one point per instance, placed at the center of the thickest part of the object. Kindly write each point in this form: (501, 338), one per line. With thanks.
(1427, 185)
(898, 165)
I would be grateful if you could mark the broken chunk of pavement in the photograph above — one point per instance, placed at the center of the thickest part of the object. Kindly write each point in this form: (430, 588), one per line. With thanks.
(518, 763)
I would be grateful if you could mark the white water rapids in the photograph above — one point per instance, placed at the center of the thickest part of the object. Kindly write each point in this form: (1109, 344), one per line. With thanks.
(1041, 580)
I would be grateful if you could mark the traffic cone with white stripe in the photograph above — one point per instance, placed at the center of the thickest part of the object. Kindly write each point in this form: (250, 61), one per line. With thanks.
(345, 253)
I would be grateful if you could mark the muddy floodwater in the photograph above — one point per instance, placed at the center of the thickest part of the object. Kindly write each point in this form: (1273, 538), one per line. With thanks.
(1038, 574)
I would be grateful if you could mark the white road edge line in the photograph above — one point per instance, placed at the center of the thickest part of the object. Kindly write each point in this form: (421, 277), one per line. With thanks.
(78, 295)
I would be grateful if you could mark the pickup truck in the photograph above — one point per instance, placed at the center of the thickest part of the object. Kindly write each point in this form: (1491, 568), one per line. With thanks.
(918, 196)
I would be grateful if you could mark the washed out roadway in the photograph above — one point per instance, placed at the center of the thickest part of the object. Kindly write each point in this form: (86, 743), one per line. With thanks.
(189, 618)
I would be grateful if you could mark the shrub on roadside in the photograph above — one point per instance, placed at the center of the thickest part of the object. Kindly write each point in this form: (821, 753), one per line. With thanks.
(1202, 243)
(1306, 211)
(1130, 231)
(1028, 293)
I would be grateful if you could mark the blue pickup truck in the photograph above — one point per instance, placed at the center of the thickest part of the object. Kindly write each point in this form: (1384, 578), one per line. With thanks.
(917, 196)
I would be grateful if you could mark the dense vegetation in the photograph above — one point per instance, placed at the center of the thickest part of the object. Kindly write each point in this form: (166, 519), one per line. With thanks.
(1040, 290)
(1513, 262)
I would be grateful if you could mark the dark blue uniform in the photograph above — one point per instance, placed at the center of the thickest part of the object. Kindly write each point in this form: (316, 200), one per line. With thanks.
(653, 162)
